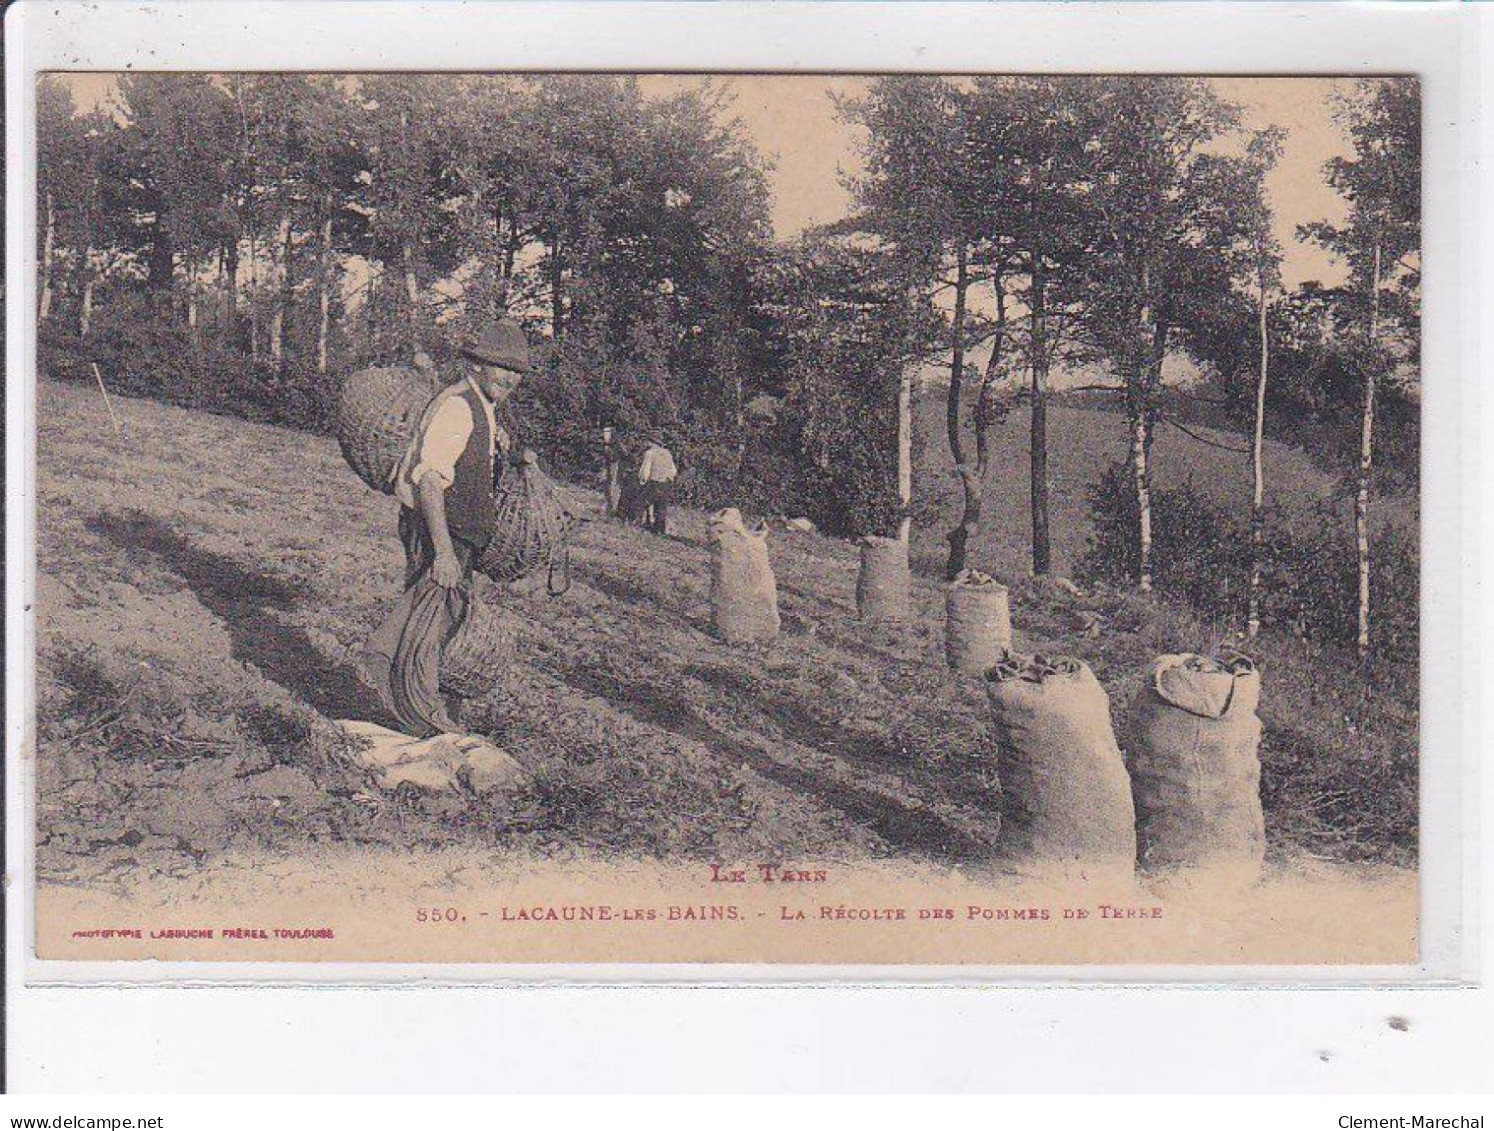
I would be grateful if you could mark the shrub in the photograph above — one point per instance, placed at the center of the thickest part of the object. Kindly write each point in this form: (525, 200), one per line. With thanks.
(1309, 572)
(146, 357)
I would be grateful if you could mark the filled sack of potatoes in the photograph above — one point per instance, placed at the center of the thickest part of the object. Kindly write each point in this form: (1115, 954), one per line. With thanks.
(1065, 798)
(977, 622)
(884, 585)
(1196, 770)
(744, 593)
(377, 412)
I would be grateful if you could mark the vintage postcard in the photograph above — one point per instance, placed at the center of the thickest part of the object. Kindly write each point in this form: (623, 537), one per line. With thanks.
(932, 520)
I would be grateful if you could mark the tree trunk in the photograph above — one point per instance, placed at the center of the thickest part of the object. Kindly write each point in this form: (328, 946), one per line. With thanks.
(1143, 501)
(557, 294)
(230, 284)
(736, 363)
(84, 284)
(279, 318)
(905, 449)
(253, 297)
(959, 537)
(1366, 458)
(44, 301)
(192, 297)
(371, 308)
(1147, 374)
(510, 252)
(984, 410)
(222, 277)
(412, 296)
(1042, 552)
(161, 272)
(1258, 467)
(502, 263)
(324, 290)
(85, 309)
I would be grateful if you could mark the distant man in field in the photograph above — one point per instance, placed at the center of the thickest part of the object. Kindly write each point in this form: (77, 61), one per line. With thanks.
(656, 475)
(611, 473)
(445, 486)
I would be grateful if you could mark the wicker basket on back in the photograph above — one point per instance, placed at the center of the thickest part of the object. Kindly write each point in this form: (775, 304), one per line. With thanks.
(377, 411)
(530, 525)
(484, 645)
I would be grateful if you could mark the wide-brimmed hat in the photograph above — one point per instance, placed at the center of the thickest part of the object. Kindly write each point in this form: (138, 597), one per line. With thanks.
(499, 343)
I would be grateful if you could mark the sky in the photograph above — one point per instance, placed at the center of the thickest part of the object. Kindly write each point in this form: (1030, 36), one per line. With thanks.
(792, 118)
(793, 121)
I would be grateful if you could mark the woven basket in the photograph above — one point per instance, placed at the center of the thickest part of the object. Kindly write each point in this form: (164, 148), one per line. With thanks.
(530, 524)
(475, 658)
(377, 411)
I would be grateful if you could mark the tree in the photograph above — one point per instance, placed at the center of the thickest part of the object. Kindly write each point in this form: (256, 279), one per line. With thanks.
(917, 199)
(978, 187)
(1164, 213)
(332, 164)
(1028, 173)
(411, 228)
(1263, 153)
(56, 182)
(846, 320)
(172, 172)
(1381, 243)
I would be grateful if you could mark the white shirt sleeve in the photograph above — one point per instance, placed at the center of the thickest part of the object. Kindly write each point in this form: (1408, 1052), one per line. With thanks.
(646, 468)
(445, 439)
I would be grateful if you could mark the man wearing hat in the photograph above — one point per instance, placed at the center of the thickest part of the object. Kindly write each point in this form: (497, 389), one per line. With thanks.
(445, 486)
(656, 475)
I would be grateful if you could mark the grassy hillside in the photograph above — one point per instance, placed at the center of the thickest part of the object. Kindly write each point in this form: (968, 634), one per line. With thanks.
(202, 581)
(1082, 443)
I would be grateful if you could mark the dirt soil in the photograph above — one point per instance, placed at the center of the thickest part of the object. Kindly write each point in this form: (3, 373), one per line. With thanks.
(202, 582)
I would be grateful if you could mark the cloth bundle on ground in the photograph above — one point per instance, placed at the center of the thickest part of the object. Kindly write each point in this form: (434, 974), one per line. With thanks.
(377, 410)
(884, 586)
(1065, 797)
(977, 622)
(530, 524)
(462, 763)
(482, 647)
(1196, 770)
(744, 593)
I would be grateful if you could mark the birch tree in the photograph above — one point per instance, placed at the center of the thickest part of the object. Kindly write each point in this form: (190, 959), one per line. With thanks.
(1380, 241)
(1264, 151)
(1157, 203)
(57, 136)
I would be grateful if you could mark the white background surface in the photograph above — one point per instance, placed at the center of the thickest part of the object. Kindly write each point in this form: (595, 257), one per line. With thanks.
(627, 1038)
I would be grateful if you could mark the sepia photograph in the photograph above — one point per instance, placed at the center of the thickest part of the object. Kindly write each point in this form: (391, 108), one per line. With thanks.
(951, 520)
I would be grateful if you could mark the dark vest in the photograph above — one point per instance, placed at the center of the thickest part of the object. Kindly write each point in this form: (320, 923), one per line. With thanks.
(469, 499)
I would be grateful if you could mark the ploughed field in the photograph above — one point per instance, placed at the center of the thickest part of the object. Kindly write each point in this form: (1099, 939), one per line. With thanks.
(203, 580)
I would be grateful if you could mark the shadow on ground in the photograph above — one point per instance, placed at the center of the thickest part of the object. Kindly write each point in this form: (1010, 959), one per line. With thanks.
(247, 600)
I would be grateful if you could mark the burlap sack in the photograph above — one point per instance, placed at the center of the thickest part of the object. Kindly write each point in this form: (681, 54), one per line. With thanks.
(744, 593)
(884, 586)
(977, 622)
(1065, 797)
(460, 763)
(1196, 769)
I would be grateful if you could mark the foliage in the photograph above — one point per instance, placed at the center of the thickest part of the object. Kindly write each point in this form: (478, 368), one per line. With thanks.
(143, 357)
(1309, 577)
(362, 218)
(216, 238)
